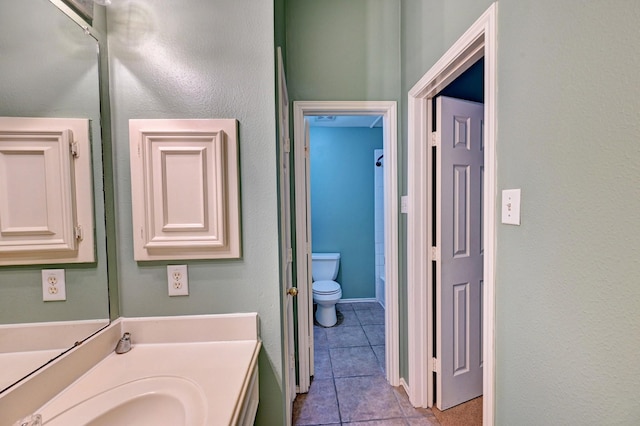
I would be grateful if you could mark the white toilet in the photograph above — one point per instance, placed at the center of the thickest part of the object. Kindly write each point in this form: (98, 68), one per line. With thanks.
(326, 291)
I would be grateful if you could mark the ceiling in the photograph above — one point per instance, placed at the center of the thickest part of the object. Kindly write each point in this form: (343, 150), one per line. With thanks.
(370, 121)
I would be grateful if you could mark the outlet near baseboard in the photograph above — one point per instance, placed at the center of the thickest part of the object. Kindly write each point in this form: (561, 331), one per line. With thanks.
(178, 280)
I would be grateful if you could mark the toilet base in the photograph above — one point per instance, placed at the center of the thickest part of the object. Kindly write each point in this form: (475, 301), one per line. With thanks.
(326, 315)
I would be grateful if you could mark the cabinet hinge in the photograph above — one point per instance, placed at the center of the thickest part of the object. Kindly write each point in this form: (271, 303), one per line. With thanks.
(435, 254)
(289, 255)
(77, 232)
(287, 145)
(435, 139)
(435, 366)
(73, 148)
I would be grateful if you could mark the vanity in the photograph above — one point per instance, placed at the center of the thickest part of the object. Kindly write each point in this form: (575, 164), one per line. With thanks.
(59, 315)
(183, 370)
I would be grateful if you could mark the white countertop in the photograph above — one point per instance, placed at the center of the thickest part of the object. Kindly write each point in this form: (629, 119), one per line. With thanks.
(19, 364)
(217, 354)
(220, 369)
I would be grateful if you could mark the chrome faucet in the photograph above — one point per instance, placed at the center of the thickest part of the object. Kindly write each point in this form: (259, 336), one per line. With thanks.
(124, 344)
(33, 420)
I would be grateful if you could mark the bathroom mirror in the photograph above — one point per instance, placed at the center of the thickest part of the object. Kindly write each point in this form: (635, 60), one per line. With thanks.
(49, 67)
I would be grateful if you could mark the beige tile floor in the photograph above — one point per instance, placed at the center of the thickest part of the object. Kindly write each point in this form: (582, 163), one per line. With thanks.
(349, 386)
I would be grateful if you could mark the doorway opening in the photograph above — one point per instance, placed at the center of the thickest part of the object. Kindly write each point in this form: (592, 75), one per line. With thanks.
(457, 180)
(479, 41)
(347, 201)
(303, 112)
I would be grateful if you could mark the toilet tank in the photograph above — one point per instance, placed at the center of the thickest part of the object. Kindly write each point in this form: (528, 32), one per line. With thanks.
(324, 266)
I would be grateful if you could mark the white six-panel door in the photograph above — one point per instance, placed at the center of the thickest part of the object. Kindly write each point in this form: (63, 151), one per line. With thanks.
(460, 244)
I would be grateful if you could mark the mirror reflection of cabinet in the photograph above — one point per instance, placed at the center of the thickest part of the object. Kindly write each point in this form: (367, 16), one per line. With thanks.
(50, 69)
(46, 199)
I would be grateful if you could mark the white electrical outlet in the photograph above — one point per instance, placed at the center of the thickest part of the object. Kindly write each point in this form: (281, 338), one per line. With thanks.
(53, 285)
(178, 280)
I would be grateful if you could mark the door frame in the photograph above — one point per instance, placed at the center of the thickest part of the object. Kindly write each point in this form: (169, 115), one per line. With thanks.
(480, 40)
(388, 111)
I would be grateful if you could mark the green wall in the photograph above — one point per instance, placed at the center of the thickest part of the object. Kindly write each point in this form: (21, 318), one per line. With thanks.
(567, 328)
(342, 203)
(350, 50)
(567, 290)
(204, 59)
(343, 50)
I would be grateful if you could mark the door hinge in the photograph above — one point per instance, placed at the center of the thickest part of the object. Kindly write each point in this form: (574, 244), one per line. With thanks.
(73, 148)
(435, 139)
(287, 145)
(435, 254)
(77, 232)
(435, 366)
(289, 255)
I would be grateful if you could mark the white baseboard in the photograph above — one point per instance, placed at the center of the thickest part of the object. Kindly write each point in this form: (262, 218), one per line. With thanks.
(362, 300)
(405, 385)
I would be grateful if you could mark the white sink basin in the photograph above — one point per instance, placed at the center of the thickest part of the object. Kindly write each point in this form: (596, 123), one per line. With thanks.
(163, 400)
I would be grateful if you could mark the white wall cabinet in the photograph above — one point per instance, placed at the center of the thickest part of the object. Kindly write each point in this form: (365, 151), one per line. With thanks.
(184, 189)
(46, 196)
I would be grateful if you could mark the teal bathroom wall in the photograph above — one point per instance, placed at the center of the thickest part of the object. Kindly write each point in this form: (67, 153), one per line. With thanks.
(204, 59)
(342, 203)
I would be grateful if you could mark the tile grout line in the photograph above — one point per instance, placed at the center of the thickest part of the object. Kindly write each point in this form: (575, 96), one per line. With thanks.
(335, 388)
(333, 373)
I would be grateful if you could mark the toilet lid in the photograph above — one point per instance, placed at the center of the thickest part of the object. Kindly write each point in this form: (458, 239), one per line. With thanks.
(326, 287)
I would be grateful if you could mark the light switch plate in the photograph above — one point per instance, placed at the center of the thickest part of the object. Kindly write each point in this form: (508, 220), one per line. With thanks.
(511, 206)
(53, 285)
(178, 280)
